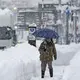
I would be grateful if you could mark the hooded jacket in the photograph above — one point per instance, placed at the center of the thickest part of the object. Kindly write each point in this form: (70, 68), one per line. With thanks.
(47, 51)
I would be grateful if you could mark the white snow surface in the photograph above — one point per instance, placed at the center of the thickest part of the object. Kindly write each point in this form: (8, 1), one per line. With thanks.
(72, 72)
(22, 63)
(17, 62)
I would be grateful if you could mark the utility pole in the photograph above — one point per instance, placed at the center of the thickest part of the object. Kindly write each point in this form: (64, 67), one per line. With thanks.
(59, 2)
(42, 14)
(75, 28)
(67, 28)
(0, 3)
(67, 24)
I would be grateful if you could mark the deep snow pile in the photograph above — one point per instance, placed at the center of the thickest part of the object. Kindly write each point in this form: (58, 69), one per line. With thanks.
(65, 53)
(22, 62)
(72, 72)
(17, 63)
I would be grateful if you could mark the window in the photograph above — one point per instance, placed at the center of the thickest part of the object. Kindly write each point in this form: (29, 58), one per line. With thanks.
(5, 33)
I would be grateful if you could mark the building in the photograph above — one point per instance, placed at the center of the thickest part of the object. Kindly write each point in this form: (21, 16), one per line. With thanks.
(27, 16)
(43, 14)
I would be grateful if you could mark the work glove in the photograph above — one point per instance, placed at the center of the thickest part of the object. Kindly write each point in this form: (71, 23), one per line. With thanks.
(55, 57)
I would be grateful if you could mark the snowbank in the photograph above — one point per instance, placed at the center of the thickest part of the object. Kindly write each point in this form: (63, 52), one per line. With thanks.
(18, 63)
(20, 51)
(22, 61)
(72, 72)
(65, 53)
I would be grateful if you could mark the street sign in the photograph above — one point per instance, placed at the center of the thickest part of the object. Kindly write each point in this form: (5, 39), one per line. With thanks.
(67, 11)
(32, 38)
(31, 30)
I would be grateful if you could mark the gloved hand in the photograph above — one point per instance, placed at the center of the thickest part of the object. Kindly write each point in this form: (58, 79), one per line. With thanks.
(55, 57)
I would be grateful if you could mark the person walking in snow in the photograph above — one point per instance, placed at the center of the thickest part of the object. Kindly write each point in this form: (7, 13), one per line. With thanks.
(47, 52)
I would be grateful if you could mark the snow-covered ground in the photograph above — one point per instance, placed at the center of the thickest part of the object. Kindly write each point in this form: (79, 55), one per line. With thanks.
(72, 72)
(22, 63)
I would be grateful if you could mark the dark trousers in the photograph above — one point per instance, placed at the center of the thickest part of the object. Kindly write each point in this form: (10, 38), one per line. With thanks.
(44, 64)
(43, 68)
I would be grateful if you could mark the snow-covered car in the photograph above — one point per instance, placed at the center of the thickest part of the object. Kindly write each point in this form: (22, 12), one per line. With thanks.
(7, 37)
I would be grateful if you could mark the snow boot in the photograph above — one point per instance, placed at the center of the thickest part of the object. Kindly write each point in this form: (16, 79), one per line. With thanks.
(51, 72)
(42, 74)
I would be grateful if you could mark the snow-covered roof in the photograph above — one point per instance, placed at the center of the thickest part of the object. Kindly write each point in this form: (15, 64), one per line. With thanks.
(32, 25)
(48, 2)
(59, 22)
(61, 7)
(28, 10)
(53, 1)
(32, 3)
(5, 11)
(64, 1)
(74, 8)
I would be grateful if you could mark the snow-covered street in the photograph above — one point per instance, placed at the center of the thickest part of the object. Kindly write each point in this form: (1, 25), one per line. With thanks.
(22, 62)
(25, 22)
(57, 71)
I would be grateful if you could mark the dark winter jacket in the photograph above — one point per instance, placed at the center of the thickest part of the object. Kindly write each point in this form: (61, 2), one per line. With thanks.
(47, 51)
